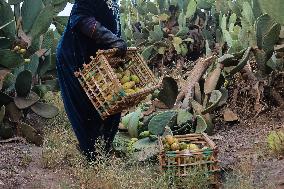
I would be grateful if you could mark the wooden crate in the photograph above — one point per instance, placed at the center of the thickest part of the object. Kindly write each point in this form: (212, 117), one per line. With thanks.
(104, 89)
(182, 163)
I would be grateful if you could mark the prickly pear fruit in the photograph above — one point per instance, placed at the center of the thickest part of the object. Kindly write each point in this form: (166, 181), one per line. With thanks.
(183, 146)
(127, 73)
(128, 85)
(175, 146)
(118, 75)
(125, 79)
(135, 78)
(22, 51)
(137, 89)
(144, 134)
(27, 61)
(193, 147)
(134, 140)
(170, 139)
(16, 48)
(129, 91)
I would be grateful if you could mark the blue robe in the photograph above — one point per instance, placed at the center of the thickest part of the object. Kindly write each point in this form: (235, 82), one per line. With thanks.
(75, 49)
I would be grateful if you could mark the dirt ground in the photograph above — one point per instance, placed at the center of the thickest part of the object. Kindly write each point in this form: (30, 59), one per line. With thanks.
(241, 145)
(21, 168)
(244, 145)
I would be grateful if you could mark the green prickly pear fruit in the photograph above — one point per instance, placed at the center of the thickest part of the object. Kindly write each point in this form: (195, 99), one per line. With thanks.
(16, 48)
(144, 134)
(183, 146)
(135, 78)
(22, 51)
(134, 140)
(27, 61)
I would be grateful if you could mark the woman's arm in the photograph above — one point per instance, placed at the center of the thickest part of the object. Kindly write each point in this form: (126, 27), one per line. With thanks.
(93, 29)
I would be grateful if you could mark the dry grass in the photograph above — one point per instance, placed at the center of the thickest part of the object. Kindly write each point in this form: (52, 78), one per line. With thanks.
(242, 177)
(60, 152)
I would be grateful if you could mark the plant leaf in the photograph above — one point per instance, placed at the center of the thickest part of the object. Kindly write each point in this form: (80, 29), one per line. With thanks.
(2, 113)
(133, 123)
(201, 125)
(158, 123)
(30, 11)
(23, 83)
(212, 80)
(42, 22)
(25, 102)
(10, 59)
(169, 92)
(191, 8)
(183, 116)
(44, 110)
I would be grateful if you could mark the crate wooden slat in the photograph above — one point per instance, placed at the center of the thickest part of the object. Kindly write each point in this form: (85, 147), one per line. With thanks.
(99, 80)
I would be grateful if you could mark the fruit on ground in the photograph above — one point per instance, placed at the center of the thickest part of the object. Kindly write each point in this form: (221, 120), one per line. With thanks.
(128, 85)
(134, 140)
(144, 134)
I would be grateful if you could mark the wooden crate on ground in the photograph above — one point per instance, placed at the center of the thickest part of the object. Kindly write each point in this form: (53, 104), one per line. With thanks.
(182, 163)
(103, 87)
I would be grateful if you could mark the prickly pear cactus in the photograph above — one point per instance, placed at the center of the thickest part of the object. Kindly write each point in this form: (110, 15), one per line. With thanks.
(27, 51)
(134, 123)
(158, 123)
(183, 116)
(273, 8)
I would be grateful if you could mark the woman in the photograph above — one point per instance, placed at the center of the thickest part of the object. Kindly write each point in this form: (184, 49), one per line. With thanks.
(93, 25)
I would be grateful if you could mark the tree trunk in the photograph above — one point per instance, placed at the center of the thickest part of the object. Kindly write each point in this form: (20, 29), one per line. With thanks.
(196, 73)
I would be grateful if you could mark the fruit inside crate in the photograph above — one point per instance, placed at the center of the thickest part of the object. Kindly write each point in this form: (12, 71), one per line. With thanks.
(184, 154)
(114, 83)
